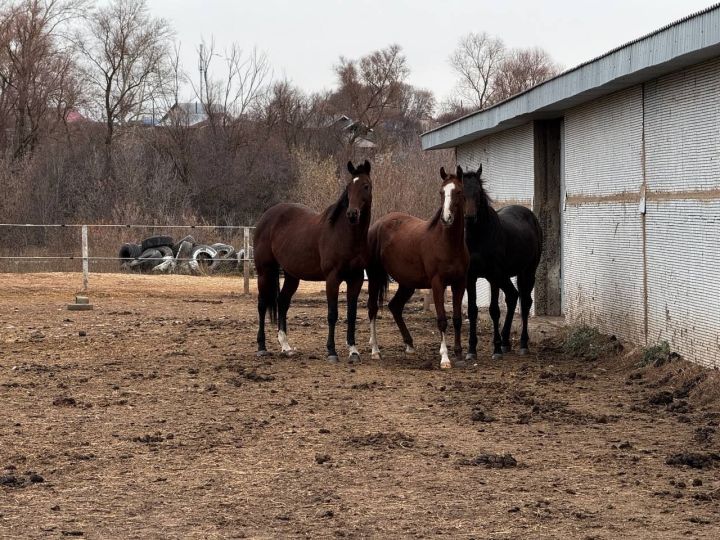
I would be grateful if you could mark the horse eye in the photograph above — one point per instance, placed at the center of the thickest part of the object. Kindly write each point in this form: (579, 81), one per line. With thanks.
(367, 187)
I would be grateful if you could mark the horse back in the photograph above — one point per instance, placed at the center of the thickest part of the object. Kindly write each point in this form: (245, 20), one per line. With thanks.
(286, 235)
(522, 234)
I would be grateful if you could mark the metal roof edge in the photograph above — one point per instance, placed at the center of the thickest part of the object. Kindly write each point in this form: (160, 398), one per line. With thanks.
(638, 57)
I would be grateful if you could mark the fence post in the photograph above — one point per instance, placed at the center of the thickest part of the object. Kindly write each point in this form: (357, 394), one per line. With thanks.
(246, 260)
(85, 265)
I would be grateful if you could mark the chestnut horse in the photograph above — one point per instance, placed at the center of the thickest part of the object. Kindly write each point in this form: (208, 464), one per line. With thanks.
(331, 247)
(421, 254)
(502, 245)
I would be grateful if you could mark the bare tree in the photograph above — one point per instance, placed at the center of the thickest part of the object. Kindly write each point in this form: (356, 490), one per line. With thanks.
(126, 62)
(371, 86)
(37, 69)
(523, 69)
(241, 88)
(476, 60)
(489, 73)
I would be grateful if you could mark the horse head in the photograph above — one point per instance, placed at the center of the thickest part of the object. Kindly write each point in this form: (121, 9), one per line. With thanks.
(475, 195)
(451, 196)
(359, 191)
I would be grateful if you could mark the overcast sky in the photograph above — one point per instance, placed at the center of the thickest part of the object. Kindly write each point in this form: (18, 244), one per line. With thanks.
(303, 39)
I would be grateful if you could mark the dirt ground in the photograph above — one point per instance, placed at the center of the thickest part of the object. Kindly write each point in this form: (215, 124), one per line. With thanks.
(151, 417)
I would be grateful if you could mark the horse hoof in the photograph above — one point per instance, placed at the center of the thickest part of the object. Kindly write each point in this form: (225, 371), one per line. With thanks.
(459, 363)
(376, 356)
(288, 353)
(523, 351)
(505, 349)
(409, 349)
(497, 356)
(445, 364)
(471, 357)
(262, 353)
(332, 358)
(354, 358)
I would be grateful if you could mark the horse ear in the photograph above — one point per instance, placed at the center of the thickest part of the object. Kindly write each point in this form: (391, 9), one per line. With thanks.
(459, 173)
(479, 171)
(367, 167)
(351, 168)
(443, 174)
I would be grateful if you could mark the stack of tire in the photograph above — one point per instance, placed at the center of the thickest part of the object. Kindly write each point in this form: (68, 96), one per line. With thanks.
(162, 255)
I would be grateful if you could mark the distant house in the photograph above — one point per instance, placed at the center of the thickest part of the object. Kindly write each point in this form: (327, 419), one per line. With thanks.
(354, 131)
(185, 114)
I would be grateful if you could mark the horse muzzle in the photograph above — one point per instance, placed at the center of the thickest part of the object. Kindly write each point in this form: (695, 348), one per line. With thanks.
(449, 221)
(353, 216)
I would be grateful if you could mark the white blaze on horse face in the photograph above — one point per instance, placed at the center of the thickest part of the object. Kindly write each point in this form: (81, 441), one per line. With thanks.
(282, 338)
(444, 359)
(356, 179)
(373, 340)
(446, 215)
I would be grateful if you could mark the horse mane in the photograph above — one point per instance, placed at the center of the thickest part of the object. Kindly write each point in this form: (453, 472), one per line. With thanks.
(332, 213)
(484, 199)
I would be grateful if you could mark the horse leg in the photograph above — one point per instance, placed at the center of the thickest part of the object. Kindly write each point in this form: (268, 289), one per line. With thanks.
(396, 306)
(262, 282)
(332, 288)
(458, 290)
(354, 285)
(472, 317)
(526, 282)
(289, 287)
(495, 316)
(438, 289)
(373, 306)
(511, 299)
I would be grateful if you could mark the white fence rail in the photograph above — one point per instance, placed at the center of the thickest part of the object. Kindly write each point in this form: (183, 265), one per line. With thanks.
(85, 256)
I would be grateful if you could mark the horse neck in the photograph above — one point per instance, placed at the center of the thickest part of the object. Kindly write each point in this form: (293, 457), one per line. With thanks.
(486, 220)
(453, 235)
(355, 234)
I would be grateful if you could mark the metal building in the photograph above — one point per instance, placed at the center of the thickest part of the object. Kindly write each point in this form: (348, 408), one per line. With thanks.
(620, 159)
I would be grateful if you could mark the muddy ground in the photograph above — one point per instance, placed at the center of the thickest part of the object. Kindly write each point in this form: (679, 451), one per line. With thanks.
(151, 417)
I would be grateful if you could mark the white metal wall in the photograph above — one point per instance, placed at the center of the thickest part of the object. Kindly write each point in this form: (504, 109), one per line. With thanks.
(508, 171)
(602, 232)
(682, 141)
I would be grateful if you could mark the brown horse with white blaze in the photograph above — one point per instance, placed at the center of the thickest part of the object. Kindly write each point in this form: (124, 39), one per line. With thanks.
(421, 254)
(331, 246)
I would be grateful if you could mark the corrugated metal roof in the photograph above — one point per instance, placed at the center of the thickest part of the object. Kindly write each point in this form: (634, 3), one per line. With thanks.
(682, 43)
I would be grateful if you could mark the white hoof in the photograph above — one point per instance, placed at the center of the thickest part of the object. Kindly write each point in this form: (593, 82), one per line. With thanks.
(445, 364)
(376, 356)
(409, 349)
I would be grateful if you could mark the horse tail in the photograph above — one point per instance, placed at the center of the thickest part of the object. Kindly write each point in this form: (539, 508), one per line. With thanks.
(376, 271)
(384, 285)
(270, 290)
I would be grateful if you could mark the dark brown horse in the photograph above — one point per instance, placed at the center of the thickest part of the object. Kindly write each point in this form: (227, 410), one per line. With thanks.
(330, 247)
(421, 254)
(502, 245)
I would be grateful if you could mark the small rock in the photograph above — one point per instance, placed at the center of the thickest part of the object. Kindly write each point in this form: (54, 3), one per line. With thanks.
(82, 333)
(322, 458)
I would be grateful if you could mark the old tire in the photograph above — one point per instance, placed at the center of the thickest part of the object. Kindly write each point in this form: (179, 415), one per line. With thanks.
(149, 259)
(226, 260)
(166, 251)
(157, 241)
(201, 259)
(166, 266)
(128, 252)
(176, 247)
